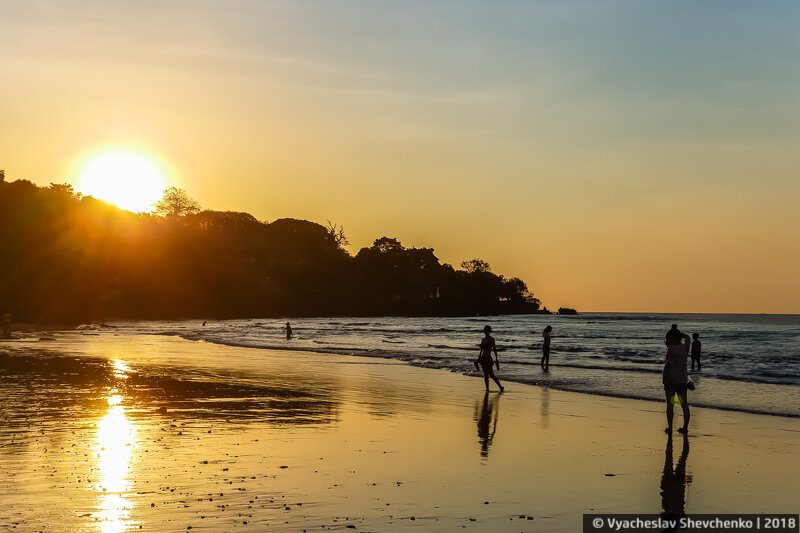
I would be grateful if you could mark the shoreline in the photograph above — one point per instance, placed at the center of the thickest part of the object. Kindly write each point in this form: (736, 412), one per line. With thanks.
(368, 354)
(377, 444)
(353, 353)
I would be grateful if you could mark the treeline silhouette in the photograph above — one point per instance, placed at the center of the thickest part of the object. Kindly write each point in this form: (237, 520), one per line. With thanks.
(69, 258)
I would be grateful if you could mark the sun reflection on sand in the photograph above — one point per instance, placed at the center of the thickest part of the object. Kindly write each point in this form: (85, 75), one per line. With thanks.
(120, 369)
(114, 399)
(114, 444)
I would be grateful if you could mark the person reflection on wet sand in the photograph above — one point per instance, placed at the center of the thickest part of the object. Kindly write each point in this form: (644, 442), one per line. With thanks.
(545, 407)
(673, 483)
(486, 417)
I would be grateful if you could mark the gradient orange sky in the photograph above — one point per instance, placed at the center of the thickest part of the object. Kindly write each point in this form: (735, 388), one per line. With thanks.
(617, 156)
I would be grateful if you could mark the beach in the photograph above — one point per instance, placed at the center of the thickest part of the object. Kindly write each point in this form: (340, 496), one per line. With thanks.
(113, 432)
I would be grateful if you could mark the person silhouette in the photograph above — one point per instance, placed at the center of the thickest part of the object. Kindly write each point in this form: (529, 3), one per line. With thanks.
(673, 483)
(484, 359)
(545, 363)
(675, 378)
(673, 336)
(289, 333)
(486, 418)
(696, 350)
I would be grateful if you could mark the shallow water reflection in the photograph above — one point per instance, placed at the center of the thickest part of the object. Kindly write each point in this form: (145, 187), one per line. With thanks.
(37, 380)
(674, 481)
(120, 369)
(486, 413)
(545, 410)
(115, 445)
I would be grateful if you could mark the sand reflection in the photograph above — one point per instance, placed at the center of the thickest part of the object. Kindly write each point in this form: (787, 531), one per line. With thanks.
(115, 445)
(674, 481)
(486, 417)
(545, 410)
(120, 369)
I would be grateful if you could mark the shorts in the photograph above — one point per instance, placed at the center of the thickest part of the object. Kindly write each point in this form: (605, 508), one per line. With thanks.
(486, 365)
(672, 388)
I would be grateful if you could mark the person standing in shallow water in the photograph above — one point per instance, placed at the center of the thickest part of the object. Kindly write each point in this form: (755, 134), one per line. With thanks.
(485, 358)
(696, 350)
(289, 334)
(675, 377)
(546, 347)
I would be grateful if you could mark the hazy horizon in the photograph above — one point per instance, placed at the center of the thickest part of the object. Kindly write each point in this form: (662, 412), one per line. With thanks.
(619, 157)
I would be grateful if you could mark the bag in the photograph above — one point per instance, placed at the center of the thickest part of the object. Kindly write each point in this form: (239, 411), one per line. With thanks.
(676, 399)
(690, 384)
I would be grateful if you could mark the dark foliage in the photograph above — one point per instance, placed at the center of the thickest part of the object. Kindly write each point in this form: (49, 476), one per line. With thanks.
(176, 203)
(64, 257)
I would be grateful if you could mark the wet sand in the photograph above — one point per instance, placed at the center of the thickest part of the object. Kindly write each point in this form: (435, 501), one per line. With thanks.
(108, 433)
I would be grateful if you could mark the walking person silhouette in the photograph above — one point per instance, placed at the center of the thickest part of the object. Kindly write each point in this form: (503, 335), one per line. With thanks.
(485, 358)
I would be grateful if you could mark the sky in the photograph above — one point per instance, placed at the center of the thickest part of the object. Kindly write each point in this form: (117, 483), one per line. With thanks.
(617, 155)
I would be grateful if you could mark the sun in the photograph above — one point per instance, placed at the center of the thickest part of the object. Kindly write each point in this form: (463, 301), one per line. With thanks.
(126, 178)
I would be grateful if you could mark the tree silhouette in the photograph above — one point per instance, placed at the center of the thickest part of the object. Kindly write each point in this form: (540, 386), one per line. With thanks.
(72, 258)
(176, 202)
(64, 188)
(476, 265)
(337, 232)
(386, 245)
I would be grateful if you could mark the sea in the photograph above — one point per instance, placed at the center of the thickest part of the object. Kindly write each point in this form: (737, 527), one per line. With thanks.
(750, 363)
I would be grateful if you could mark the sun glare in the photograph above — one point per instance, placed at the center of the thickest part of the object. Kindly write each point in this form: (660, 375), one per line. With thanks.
(115, 442)
(127, 179)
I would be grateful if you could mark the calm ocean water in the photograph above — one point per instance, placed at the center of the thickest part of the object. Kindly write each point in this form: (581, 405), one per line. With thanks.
(750, 362)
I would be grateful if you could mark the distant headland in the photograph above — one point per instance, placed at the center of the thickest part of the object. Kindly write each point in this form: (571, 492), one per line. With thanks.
(73, 258)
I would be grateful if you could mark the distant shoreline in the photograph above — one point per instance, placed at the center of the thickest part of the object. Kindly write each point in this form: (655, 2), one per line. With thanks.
(61, 325)
(47, 326)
